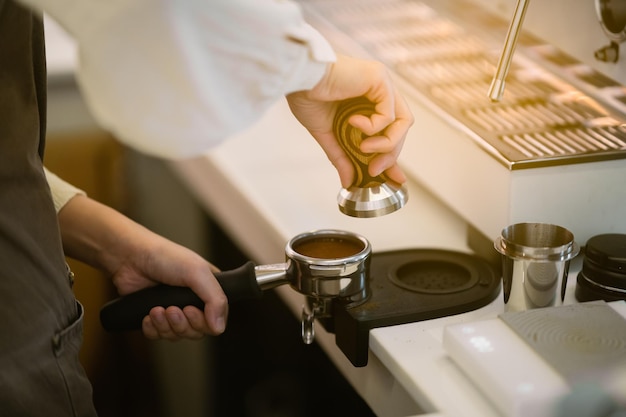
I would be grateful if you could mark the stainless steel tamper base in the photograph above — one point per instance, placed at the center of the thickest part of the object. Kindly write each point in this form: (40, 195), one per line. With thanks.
(374, 201)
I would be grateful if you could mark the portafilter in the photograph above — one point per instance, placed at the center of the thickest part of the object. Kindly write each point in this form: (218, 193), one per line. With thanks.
(323, 265)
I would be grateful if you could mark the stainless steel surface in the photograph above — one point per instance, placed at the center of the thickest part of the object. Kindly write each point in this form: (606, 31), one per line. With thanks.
(535, 264)
(445, 51)
(308, 325)
(319, 277)
(315, 308)
(325, 279)
(496, 90)
(374, 201)
(612, 17)
(537, 242)
(271, 276)
(343, 277)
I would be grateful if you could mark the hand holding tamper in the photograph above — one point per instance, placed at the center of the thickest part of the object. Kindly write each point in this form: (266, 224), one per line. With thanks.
(367, 196)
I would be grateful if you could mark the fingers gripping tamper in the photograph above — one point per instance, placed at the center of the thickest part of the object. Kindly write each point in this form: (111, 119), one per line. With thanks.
(367, 196)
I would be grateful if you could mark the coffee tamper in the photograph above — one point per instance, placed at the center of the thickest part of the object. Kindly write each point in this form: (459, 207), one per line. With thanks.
(367, 196)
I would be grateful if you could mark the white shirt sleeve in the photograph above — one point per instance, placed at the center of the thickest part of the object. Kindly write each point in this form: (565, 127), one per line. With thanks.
(62, 192)
(174, 77)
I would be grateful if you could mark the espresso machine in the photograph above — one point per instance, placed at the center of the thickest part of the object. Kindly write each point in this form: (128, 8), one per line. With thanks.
(549, 149)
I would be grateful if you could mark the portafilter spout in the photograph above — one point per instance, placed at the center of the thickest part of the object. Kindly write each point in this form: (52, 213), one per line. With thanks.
(496, 90)
(368, 196)
(323, 265)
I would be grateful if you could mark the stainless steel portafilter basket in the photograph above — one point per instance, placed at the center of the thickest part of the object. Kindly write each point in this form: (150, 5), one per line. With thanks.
(368, 196)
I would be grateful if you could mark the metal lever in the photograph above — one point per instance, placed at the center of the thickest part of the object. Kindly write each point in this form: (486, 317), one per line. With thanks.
(496, 90)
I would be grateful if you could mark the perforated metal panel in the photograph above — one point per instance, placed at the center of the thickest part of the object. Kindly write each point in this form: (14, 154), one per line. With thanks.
(542, 120)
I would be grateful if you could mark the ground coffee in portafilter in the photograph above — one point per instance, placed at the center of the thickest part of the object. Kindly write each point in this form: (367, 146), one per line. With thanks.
(328, 247)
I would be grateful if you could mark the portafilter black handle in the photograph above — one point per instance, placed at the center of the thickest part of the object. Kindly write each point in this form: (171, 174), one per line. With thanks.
(127, 313)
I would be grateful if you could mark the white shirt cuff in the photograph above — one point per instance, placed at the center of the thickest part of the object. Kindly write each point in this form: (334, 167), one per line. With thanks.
(62, 192)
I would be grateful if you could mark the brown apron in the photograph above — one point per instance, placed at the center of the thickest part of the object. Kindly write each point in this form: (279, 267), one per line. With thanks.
(40, 320)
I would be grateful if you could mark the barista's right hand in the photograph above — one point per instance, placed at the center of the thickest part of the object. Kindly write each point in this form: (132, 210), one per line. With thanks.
(388, 126)
(136, 258)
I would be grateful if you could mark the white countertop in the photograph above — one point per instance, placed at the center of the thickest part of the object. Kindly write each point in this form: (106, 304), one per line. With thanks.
(272, 182)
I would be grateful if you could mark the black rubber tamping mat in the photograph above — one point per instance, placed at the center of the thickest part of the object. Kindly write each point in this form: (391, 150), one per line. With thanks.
(579, 341)
(413, 285)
